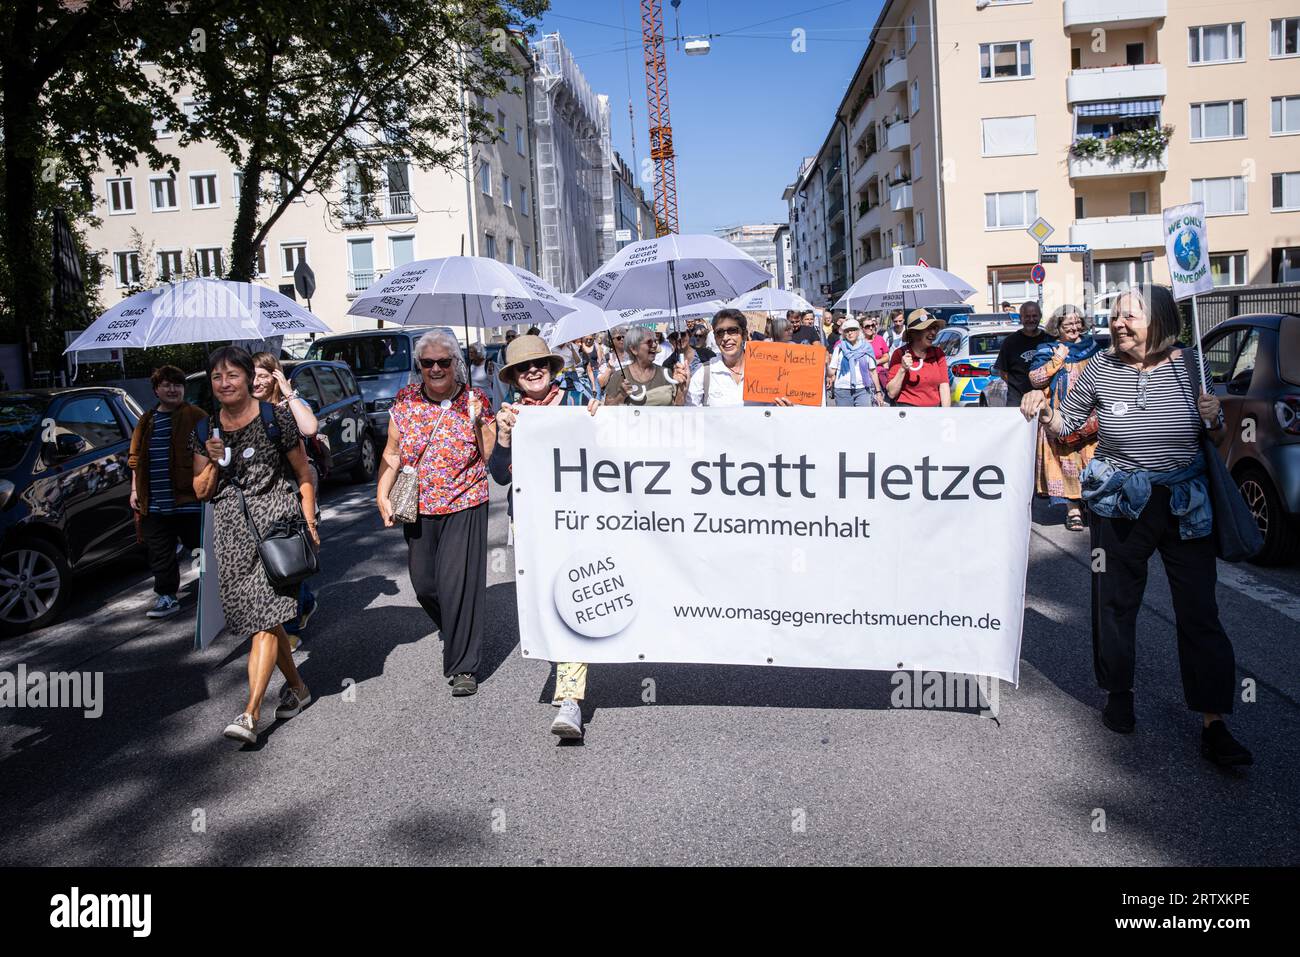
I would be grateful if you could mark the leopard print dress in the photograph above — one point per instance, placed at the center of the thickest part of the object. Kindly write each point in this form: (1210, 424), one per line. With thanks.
(262, 469)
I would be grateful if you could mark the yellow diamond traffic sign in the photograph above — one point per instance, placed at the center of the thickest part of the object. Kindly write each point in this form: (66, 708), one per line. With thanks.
(1040, 229)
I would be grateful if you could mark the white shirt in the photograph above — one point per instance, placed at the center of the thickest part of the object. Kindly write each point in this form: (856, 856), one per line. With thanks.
(724, 391)
(665, 351)
(845, 380)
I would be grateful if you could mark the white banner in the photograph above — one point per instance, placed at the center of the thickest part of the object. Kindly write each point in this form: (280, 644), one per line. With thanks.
(887, 539)
(1187, 250)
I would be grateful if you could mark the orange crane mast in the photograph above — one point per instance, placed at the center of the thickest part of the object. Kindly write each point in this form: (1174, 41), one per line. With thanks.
(661, 127)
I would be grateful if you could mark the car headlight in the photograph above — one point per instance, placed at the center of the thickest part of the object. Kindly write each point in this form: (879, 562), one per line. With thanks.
(381, 405)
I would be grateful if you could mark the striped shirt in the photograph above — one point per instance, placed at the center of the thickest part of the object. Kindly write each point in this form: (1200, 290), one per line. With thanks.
(1161, 437)
(161, 497)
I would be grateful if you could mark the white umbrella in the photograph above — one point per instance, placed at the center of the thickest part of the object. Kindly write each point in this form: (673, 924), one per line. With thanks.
(707, 308)
(905, 287)
(480, 291)
(197, 310)
(671, 273)
(585, 320)
(770, 300)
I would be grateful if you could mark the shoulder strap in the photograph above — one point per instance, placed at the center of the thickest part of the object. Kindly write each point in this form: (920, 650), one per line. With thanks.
(707, 367)
(267, 411)
(204, 429)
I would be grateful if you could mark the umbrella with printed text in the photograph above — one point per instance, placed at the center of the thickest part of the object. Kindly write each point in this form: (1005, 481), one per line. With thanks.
(768, 299)
(905, 287)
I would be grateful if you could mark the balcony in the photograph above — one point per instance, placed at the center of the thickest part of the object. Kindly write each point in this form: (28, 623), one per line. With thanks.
(860, 174)
(862, 121)
(900, 196)
(1119, 232)
(898, 136)
(836, 250)
(896, 74)
(1112, 14)
(905, 255)
(835, 210)
(1093, 167)
(361, 280)
(1143, 81)
(378, 208)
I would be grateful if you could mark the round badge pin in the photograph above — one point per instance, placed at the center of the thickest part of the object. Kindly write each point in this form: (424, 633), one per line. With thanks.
(1119, 408)
(594, 595)
(248, 452)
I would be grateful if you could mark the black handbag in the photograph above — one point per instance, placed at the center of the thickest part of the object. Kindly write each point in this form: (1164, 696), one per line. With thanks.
(1237, 537)
(288, 555)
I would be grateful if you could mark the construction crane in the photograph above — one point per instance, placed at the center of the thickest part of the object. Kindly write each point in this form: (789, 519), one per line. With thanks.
(661, 127)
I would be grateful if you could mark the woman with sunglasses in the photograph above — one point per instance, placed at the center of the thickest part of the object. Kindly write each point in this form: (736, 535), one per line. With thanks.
(918, 370)
(440, 428)
(530, 369)
(720, 382)
(1147, 490)
(644, 381)
(615, 358)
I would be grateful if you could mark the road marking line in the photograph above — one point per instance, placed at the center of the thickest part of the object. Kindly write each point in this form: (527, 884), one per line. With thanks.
(1250, 586)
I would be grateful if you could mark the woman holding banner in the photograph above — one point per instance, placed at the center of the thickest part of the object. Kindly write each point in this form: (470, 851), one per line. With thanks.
(851, 368)
(1055, 368)
(1147, 490)
(529, 369)
(643, 381)
(918, 370)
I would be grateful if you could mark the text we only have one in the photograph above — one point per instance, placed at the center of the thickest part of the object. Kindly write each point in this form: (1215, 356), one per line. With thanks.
(856, 476)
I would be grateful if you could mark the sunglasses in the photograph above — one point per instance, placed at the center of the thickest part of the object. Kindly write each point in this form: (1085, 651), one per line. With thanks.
(618, 338)
(440, 363)
(721, 331)
(532, 364)
(1144, 380)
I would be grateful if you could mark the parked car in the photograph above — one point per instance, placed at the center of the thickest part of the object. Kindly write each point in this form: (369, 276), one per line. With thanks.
(995, 393)
(332, 391)
(383, 363)
(65, 494)
(971, 348)
(1255, 371)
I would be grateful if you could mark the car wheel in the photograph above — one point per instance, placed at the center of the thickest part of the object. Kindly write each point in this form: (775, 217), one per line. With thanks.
(33, 586)
(367, 461)
(1274, 523)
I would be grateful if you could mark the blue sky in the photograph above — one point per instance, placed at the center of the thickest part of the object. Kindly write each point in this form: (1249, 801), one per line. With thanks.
(745, 114)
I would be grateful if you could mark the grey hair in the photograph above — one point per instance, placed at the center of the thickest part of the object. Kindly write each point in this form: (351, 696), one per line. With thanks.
(1053, 325)
(436, 337)
(634, 337)
(778, 328)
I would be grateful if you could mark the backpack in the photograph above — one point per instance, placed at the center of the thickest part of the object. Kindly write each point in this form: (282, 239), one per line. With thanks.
(267, 412)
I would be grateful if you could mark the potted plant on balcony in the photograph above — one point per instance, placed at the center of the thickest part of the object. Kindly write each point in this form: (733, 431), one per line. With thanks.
(1088, 147)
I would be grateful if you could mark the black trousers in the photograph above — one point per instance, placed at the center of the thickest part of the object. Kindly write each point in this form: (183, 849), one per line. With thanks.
(1205, 655)
(160, 532)
(447, 557)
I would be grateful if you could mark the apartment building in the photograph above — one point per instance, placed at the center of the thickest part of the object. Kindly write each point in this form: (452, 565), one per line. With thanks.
(968, 119)
(157, 226)
(633, 218)
(755, 239)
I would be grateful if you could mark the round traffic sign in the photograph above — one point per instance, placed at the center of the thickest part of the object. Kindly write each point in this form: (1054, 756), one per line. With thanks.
(1037, 274)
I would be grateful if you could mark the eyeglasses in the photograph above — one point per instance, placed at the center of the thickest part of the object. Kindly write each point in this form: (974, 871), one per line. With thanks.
(531, 364)
(440, 363)
(721, 331)
(618, 338)
(1144, 379)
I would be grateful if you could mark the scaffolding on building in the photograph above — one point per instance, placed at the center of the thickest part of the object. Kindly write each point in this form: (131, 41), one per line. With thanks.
(575, 190)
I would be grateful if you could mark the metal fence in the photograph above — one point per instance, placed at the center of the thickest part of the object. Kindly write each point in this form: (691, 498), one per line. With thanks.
(1222, 304)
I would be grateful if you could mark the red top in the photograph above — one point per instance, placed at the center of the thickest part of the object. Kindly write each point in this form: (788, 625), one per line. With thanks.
(921, 386)
(453, 475)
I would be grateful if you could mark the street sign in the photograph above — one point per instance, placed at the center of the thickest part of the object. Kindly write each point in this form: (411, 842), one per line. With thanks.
(1040, 229)
(1038, 273)
(1066, 248)
(622, 235)
(304, 280)
(921, 262)
(1048, 258)
(1148, 256)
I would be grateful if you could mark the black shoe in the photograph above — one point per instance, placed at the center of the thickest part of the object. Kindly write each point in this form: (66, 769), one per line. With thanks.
(462, 685)
(1118, 713)
(1218, 745)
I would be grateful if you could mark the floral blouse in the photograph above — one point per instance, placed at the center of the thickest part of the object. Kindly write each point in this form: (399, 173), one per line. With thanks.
(453, 476)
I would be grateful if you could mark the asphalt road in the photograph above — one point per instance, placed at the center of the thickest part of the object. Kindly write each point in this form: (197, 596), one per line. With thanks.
(729, 765)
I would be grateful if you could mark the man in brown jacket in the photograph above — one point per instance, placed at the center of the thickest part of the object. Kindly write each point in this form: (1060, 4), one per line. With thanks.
(162, 484)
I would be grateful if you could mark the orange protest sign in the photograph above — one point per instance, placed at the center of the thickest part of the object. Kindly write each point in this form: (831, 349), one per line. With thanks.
(784, 370)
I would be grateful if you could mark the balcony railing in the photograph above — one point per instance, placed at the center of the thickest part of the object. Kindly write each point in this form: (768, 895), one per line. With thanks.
(896, 73)
(1119, 232)
(1089, 167)
(1112, 14)
(835, 209)
(899, 136)
(361, 280)
(836, 248)
(1140, 81)
(366, 207)
(900, 196)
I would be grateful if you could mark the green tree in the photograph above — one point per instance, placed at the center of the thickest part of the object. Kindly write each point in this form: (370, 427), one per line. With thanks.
(299, 93)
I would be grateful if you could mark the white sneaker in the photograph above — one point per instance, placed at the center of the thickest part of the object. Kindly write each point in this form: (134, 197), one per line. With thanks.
(243, 728)
(292, 702)
(164, 607)
(568, 723)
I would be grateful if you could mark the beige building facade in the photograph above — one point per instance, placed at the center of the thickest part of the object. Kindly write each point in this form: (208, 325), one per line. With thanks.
(156, 226)
(968, 120)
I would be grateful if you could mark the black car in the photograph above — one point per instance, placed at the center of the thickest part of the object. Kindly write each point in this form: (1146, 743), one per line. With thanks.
(65, 495)
(332, 393)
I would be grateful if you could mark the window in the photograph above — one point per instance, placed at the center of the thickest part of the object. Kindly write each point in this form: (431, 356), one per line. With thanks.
(918, 227)
(521, 144)
(121, 196)
(361, 264)
(190, 107)
(285, 186)
(160, 129)
(1243, 370)
(1221, 353)
(1222, 195)
(1076, 58)
(1010, 135)
(290, 255)
(1228, 269)
(169, 265)
(916, 162)
(331, 389)
(1223, 120)
(238, 180)
(260, 257)
(304, 383)
(510, 251)
(1010, 210)
(1078, 208)
(914, 101)
(92, 419)
(523, 199)
(1284, 37)
(401, 250)
(485, 179)
(1286, 115)
(911, 31)
(1137, 203)
(126, 268)
(501, 123)
(528, 257)
(1286, 192)
(209, 262)
(489, 246)
(1009, 283)
(507, 195)
(162, 193)
(1135, 54)
(203, 190)
(1221, 43)
(1006, 61)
